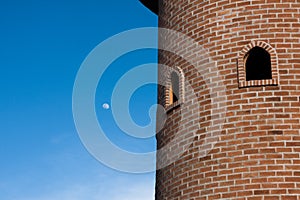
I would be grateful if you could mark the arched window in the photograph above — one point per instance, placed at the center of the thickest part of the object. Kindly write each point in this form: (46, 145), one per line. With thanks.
(258, 64)
(174, 88)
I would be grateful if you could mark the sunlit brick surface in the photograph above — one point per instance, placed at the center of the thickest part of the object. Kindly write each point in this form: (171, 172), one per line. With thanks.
(258, 153)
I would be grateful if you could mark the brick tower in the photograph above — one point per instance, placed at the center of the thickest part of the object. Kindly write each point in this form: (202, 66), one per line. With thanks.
(256, 47)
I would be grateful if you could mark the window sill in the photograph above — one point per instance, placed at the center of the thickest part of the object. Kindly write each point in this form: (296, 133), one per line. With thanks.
(254, 83)
(173, 106)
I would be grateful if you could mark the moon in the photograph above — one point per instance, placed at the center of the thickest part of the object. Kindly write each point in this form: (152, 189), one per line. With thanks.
(106, 106)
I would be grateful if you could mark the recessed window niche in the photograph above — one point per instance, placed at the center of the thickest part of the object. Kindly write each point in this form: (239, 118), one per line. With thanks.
(257, 65)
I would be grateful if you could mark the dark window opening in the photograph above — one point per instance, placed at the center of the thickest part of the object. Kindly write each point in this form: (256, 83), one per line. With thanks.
(258, 64)
(174, 90)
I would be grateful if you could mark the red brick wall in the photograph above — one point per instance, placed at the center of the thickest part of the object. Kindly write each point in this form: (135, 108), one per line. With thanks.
(258, 152)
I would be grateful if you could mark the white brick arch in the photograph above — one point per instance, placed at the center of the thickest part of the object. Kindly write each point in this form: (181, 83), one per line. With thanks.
(242, 68)
(169, 105)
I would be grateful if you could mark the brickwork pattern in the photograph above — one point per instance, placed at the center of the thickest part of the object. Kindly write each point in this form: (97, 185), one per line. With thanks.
(258, 153)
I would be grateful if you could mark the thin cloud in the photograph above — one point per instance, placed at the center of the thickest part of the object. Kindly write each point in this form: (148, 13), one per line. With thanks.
(118, 190)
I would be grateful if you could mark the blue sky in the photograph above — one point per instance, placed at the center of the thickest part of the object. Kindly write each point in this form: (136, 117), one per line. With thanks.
(43, 44)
